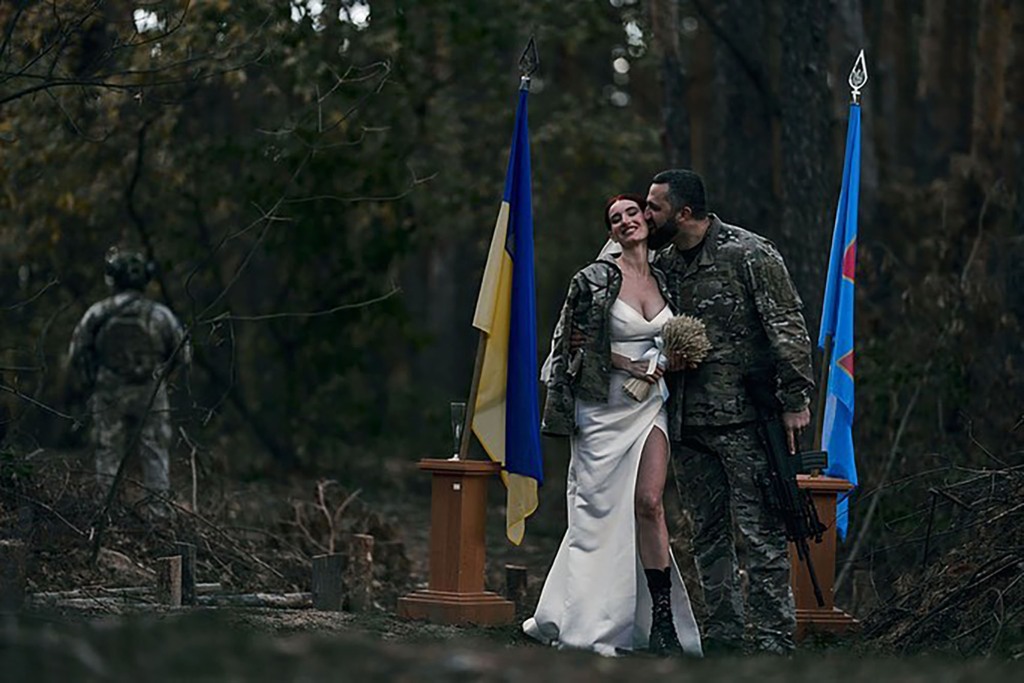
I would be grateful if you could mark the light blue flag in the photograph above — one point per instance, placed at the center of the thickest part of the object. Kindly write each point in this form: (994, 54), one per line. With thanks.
(837, 324)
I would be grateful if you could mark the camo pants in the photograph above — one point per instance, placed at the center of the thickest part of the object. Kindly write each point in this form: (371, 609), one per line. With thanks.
(716, 474)
(116, 417)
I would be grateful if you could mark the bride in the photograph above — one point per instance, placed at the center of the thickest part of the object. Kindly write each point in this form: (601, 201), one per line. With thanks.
(595, 595)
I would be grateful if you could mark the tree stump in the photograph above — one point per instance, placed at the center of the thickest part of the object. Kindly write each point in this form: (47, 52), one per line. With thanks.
(187, 552)
(26, 518)
(359, 577)
(515, 584)
(329, 582)
(168, 580)
(12, 575)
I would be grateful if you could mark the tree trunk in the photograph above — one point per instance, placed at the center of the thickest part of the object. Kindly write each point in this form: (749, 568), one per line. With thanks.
(675, 135)
(739, 165)
(931, 100)
(1013, 160)
(993, 47)
(432, 282)
(808, 194)
(1013, 157)
(943, 95)
(701, 94)
(895, 84)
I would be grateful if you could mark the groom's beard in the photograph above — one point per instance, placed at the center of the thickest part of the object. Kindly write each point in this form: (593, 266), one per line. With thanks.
(661, 235)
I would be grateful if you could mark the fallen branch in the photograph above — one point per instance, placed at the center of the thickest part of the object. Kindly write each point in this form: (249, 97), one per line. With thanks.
(120, 591)
(279, 600)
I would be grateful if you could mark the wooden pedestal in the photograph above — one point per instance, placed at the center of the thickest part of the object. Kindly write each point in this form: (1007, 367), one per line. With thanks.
(458, 505)
(810, 617)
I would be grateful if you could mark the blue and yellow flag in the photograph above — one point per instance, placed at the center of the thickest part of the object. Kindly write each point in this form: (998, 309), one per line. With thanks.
(837, 324)
(507, 416)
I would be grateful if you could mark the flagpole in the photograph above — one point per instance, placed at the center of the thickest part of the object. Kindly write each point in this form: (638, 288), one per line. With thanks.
(857, 79)
(819, 415)
(474, 389)
(528, 63)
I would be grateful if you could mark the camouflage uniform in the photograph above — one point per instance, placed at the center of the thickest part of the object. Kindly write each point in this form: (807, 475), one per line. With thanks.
(585, 374)
(116, 349)
(739, 287)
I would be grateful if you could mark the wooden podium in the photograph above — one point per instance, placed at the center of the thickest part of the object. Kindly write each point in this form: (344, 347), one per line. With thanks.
(810, 618)
(455, 592)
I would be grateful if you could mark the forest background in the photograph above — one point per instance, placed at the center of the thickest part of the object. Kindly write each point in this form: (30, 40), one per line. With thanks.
(318, 183)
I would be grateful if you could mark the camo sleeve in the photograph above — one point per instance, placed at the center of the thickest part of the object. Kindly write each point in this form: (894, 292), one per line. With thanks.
(781, 313)
(560, 404)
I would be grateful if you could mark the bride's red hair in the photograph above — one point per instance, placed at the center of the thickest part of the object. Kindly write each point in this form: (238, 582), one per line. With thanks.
(629, 196)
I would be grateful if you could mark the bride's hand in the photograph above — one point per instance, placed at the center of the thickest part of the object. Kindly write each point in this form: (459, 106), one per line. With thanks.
(653, 377)
(636, 368)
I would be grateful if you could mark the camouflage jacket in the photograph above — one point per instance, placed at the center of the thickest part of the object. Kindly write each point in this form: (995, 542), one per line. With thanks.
(739, 287)
(162, 327)
(585, 374)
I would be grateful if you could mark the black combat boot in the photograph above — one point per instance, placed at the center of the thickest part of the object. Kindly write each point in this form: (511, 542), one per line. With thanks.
(663, 642)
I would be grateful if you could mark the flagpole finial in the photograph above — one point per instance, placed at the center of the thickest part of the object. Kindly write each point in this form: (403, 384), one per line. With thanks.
(528, 63)
(858, 77)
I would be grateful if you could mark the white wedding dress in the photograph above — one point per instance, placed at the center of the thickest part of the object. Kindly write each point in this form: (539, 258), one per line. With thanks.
(595, 596)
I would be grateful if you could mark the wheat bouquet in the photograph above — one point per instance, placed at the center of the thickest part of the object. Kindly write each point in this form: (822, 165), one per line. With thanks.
(681, 335)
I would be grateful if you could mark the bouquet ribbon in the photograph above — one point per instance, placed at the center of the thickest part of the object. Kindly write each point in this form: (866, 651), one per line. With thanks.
(655, 359)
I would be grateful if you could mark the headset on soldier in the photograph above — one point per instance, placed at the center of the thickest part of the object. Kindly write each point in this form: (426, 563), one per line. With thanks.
(127, 269)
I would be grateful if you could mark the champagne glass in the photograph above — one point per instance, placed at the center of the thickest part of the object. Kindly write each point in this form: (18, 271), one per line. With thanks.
(458, 412)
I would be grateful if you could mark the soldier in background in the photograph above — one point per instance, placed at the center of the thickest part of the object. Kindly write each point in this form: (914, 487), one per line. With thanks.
(736, 283)
(119, 349)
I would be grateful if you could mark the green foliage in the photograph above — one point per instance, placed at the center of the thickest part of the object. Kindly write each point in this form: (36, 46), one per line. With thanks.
(275, 168)
(13, 467)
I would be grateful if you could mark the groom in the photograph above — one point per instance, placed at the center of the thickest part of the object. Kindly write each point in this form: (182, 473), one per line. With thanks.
(737, 284)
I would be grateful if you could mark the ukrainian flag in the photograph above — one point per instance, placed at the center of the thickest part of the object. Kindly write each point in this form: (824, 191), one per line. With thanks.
(507, 416)
(837, 325)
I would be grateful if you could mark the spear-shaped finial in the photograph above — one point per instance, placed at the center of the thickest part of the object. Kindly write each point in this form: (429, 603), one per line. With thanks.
(528, 63)
(858, 77)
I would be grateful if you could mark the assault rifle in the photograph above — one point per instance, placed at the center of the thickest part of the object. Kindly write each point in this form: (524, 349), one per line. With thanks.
(778, 482)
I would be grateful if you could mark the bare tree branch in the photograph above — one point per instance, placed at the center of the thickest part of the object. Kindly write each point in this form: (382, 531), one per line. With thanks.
(10, 28)
(865, 524)
(312, 314)
(26, 302)
(123, 79)
(38, 404)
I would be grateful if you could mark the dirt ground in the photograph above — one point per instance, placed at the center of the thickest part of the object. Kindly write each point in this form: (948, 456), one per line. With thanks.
(260, 536)
(292, 645)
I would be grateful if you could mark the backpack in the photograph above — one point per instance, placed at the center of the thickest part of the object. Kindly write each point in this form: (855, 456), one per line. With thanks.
(128, 345)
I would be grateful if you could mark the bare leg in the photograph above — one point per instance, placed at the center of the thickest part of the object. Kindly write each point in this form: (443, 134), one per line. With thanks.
(652, 540)
(652, 531)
